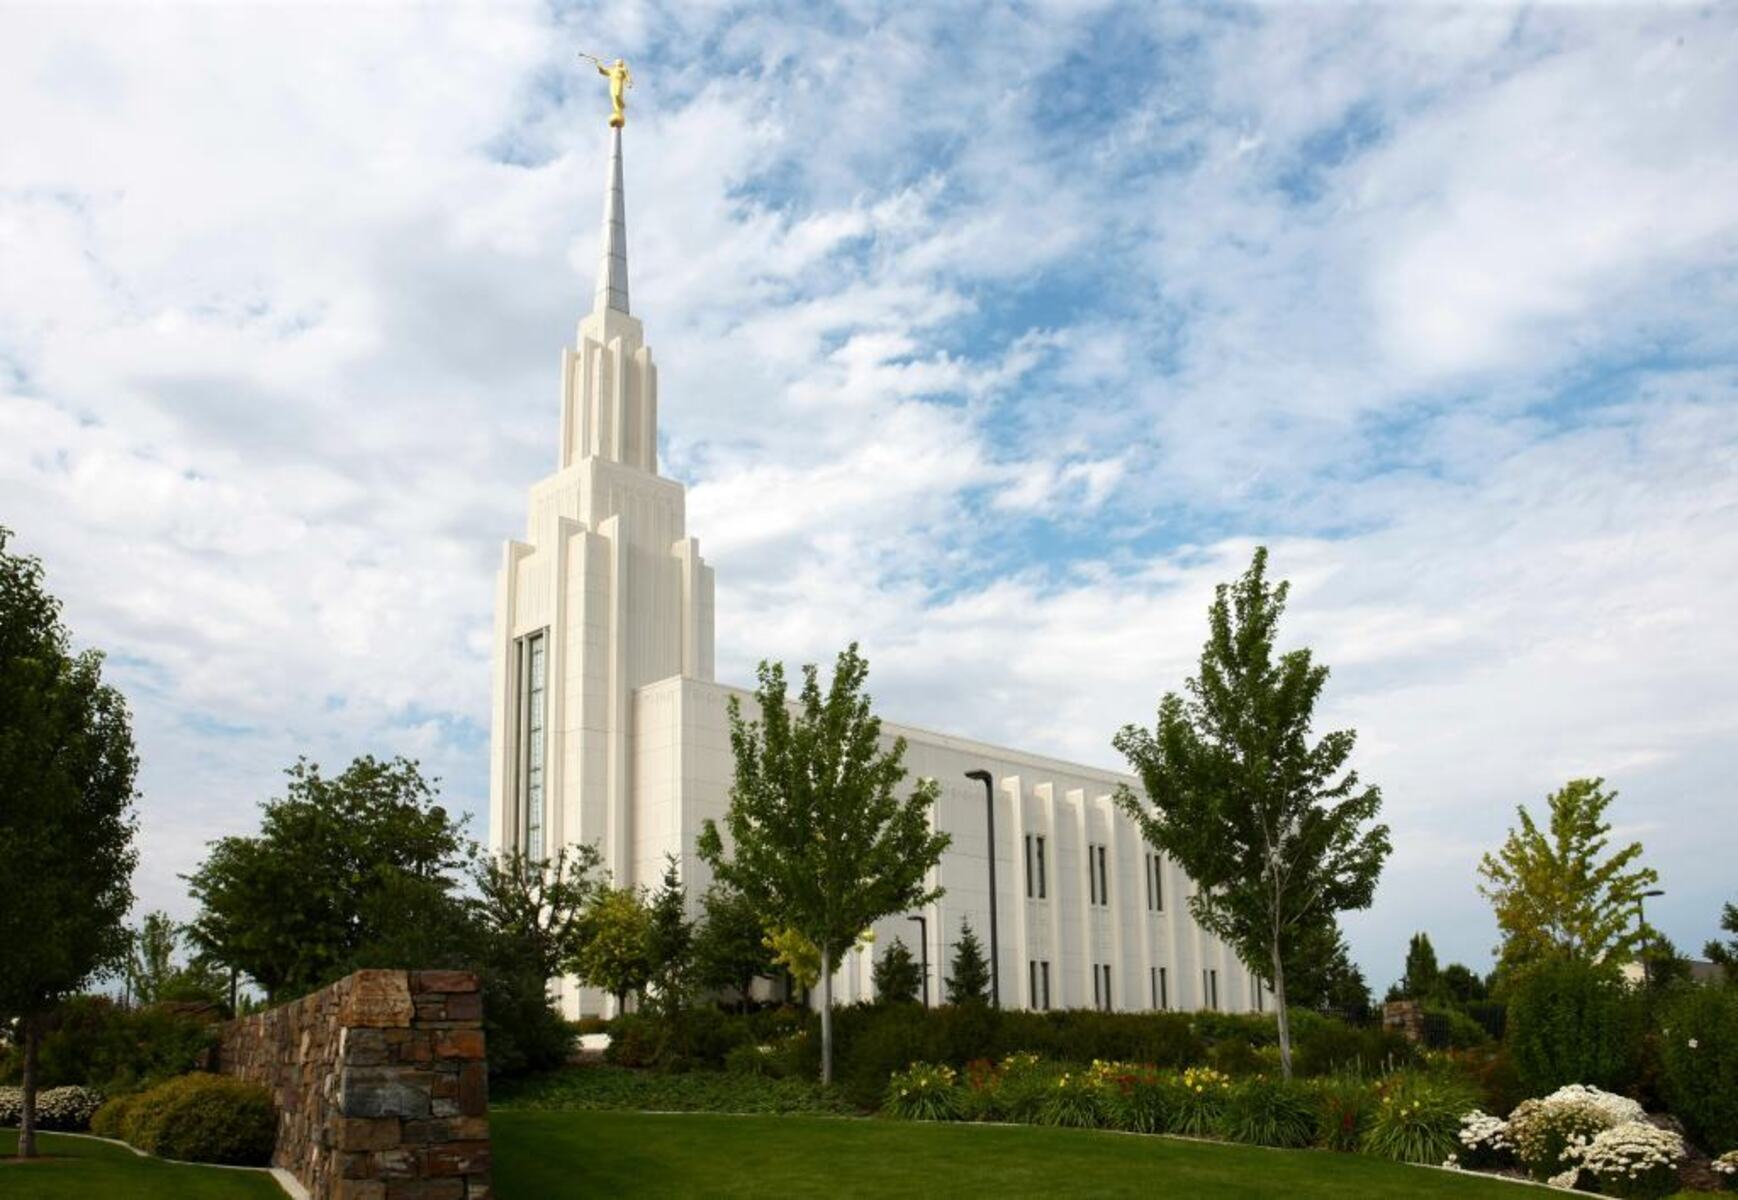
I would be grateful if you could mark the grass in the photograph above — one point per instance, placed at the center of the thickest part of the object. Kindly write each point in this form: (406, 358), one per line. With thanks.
(641, 1154)
(74, 1168)
(605, 1087)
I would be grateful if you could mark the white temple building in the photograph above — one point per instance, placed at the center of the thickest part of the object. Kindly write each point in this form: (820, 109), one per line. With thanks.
(609, 728)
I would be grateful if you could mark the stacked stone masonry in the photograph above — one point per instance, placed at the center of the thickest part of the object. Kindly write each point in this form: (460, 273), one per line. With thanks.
(380, 1083)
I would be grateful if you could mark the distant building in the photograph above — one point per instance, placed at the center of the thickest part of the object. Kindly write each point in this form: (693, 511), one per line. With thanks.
(609, 728)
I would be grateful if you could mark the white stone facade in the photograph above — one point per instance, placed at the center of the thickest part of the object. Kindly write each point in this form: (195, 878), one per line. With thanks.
(608, 729)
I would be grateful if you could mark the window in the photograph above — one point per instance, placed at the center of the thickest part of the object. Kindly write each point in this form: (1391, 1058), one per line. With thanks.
(1103, 882)
(1097, 876)
(1035, 882)
(1160, 985)
(1105, 968)
(1210, 989)
(1038, 981)
(1155, 885)
(534, 672)
(1029, 875)
(1041, 880)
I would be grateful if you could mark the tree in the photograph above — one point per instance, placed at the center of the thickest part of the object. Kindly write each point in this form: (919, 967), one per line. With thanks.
(340, 864)
(819, 843)
(613, 952)
(150, 959)
(1461, 984)
(535, 905)
(969, 978)
(1726, 953)
(1555, 891)
(1264, 822)
(1662, 966)
(730, 948)
(670, 942)
(1321, 975)
(897, 975)
(67, 767)
(1423, 978)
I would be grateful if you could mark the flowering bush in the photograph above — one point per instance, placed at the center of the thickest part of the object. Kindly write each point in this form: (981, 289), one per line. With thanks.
(1726, 1170)
(1484, 1141)
(1417, 1120)
(1073, 1100)
(923, 1092)
(1542, 1130)
(1633, 1160)
(65, 1108)
(1137, 1100)
(1198, 1102)
(1270, 1112)
(1344, 1107)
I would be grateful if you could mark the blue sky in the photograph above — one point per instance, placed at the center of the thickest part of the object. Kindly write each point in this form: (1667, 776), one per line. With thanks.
(990, 335)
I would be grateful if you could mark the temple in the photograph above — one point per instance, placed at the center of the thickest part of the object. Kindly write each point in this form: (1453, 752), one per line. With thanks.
(609, 729)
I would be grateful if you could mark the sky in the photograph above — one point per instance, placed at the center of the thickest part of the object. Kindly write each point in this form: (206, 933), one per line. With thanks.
(992, 336)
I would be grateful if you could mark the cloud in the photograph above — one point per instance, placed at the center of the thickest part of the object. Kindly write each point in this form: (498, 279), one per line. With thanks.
(1047, 316)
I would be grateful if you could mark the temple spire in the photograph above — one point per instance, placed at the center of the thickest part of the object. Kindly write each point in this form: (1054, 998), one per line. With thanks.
(612, 267)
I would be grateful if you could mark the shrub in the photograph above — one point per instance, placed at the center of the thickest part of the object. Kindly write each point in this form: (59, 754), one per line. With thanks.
(1542, 1130)
(1572, 1022)
(96, 1043)
(1136, 1100)
(923, 1092)
(1072, 1100)
(68, 1109)
(1019, 1087)
(1698, 1049)
(1234, 1056)
(590, 1025)
(1726, 1170)
(1417, 1119)
(1633, 1160)
(1484, 1142)
(750, 1059)
(1344, 1108)
(1328, 1047)
(1492, 1072)
(204, 1118)
(110, 1120)
(1270, 1112)
(637, 1040)
(1197, 1104)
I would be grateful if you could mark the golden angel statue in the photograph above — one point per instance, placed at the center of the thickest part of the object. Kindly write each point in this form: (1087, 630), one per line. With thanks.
(620, 81)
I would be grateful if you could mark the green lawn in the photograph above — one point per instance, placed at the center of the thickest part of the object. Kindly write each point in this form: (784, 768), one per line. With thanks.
(74, 1168)
(550, 1154)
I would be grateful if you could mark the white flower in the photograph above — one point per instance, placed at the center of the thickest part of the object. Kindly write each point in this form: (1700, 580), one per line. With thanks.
(1694, 1045)
(1566, 1179)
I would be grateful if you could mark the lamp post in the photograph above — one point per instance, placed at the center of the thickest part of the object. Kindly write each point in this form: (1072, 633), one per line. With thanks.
(923, 956)
(983, 777)
(1641, 919)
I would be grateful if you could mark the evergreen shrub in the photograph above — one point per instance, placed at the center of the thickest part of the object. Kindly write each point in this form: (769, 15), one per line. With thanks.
(203, 1118)
(1573, 1022)
(1698, 1052)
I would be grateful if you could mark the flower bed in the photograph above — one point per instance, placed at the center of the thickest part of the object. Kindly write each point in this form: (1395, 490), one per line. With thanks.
(66, 1109)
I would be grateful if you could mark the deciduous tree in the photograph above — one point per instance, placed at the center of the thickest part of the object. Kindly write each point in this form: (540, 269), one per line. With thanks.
(1276, 838)
(819, 842)
(67, 767)
(1556, 890)
(730, 949)
(614, 946)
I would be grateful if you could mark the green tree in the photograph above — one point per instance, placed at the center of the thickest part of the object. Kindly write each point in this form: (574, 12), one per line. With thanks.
(819, 842)
(1726, 953)
(151, 957)
(969, 976)
(1461, 984)
(1271, 832)
(1321, 975)
(535, 906)
(614, 947)
(67, 767)
(897, 975)
(670, 942)
(1423, 979)
(730, 949)
(1555, 890)
(340, 864)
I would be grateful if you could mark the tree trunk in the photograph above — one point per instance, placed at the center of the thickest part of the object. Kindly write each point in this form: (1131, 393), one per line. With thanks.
(826, 1016)
(1280, 1013)
(27, 1118)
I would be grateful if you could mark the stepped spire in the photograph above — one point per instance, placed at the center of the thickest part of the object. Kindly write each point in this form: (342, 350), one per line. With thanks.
(612, 266)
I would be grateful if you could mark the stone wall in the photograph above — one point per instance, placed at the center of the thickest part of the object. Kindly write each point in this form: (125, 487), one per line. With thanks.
(380, 1083)
(1405, 1016)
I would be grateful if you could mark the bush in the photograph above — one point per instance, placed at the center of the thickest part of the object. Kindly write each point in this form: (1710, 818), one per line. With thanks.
(1541, 1130)
(1270, 1112)
(750, 1059)
(1344, 1107)
(1484, 1142)
(1456, 1030)
(590, 1025)
(1417, 1119)
(1634, 1160)
(1197, 1104)
(1329, 1047)
(1015, 1089)
(1726, 1171)
(1137, 1100)
(95, 1043)
(598, 1087)
(524, 1032)
(637, 1040)
(203, 1118)
(922, 1092)
(1492, 1072)
(1074, 1101)
(1572, 1022)
(68, 1109)
(1698, 1049)
(110, 1120)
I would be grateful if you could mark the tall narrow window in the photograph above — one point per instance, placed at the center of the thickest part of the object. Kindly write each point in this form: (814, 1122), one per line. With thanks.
(1095, 865)
(1097, 996)
(1164, 990)
(1105, 968)
(532, 747)
(1158, 884)
(1030, 878)
(1255, 985)
(1153, 983)
(1038, 983)
(1032, 980)
(1044, 978)
(1041, 881)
